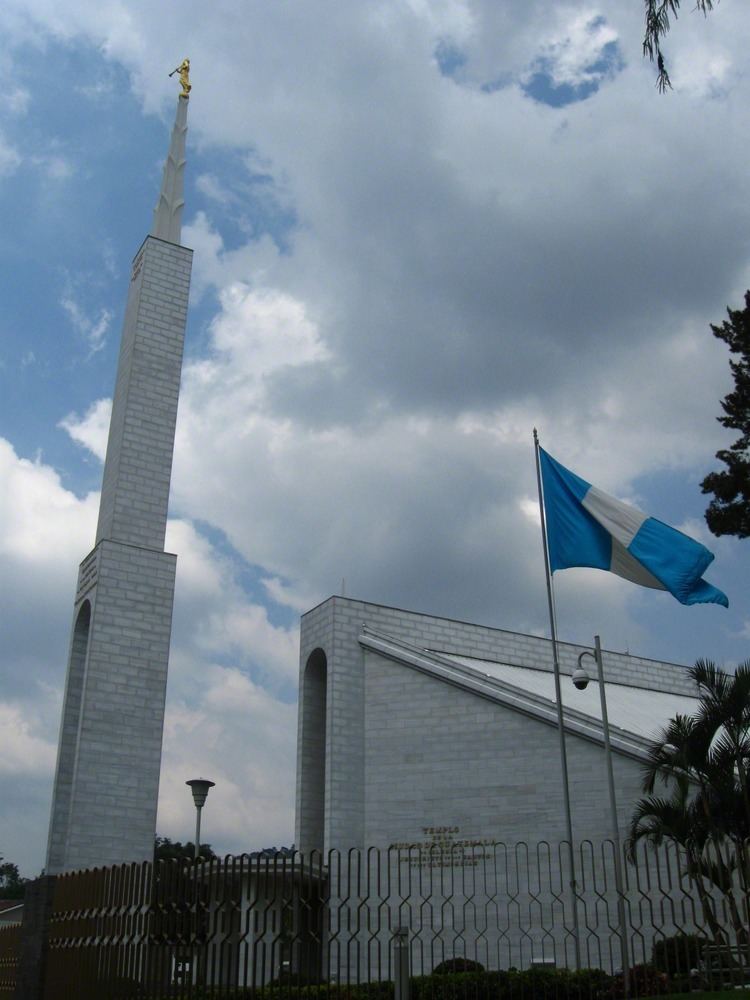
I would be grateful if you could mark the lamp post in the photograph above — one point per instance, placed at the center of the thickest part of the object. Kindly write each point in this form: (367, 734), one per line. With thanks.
(199, 788)
(581, 680)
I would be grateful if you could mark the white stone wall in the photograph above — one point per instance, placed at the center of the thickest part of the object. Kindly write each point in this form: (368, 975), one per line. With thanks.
(107, 782)
(353, 712)
(410, 759)
(137, 472)
(438, 757)
(107, 777)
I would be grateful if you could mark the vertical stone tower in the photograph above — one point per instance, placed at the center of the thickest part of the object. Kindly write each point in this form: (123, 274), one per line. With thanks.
(109, 755)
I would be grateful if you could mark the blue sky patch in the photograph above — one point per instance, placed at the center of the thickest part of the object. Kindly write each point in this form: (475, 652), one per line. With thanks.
(75, 213)
(542, 85)
(450, 59)
(243, 201)
(498, 83)
(247, 575)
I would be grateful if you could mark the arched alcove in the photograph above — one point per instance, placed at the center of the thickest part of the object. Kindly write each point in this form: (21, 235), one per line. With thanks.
(68, 749)
(313, 752)
(80, 641)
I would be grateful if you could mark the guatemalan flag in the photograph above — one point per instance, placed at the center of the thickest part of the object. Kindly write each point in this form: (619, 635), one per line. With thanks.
(587, 527)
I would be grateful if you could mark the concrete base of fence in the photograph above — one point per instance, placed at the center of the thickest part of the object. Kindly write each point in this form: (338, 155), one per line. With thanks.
(32, 958)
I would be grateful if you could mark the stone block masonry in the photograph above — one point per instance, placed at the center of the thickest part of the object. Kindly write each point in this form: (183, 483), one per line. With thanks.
(107, 783)
(138, 467)
(436, 756)
(109, 756)
(402, 757)
(369, 783)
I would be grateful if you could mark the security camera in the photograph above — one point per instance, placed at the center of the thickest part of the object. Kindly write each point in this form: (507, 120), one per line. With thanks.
(580, 678)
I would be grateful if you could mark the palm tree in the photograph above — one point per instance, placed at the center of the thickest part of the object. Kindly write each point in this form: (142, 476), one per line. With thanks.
(701, 763)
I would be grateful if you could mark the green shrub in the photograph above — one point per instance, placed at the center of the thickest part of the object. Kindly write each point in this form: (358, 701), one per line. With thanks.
(504, 984)
(510, 984)
(678, 954)
(457, 965)
(586, 983)
(644, 981)
(296, 979)
(457, 986)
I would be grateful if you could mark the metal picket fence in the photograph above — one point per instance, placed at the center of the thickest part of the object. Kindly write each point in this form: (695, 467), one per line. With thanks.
(353, 920)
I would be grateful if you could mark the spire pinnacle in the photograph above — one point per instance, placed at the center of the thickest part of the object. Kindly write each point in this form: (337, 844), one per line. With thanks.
(168, 212)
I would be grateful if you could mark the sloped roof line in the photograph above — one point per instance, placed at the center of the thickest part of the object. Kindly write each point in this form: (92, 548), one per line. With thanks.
(562, 644)
(501, 692)
(631, 708)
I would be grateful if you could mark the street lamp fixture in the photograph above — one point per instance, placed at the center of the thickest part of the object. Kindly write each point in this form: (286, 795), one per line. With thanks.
(199, 788)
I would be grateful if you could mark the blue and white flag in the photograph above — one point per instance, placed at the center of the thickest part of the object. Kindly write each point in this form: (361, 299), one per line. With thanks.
(587, 527)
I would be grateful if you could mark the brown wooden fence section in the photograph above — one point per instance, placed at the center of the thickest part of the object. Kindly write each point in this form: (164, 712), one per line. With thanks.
(10, 939)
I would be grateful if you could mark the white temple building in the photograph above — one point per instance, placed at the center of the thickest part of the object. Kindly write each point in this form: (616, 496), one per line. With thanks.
(429, 778)
(410, 723)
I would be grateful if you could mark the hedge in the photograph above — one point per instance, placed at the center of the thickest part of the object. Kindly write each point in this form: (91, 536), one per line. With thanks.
(531, 984)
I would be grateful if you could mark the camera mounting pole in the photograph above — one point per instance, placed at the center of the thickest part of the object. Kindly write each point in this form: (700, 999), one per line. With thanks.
(581, 680)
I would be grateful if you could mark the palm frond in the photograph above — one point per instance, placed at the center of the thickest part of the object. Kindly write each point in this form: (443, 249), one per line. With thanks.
(678, 753)
(657, 26)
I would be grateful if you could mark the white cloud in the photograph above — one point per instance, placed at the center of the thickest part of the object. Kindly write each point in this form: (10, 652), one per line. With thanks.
(425, 492)
(244, 740)
(529, 507)
(578, 45)
(456, 267)
(42, 523)
(265, 330)
(215, 266)
(453, 18)
(23, 752)
(705, 74)
(92, 327)
(219, 617)
(55, 166)
(212, 188)
(91, 430)
(288, 596)
(96, 91)
(215, 713)
(10, 158)
(17, 100)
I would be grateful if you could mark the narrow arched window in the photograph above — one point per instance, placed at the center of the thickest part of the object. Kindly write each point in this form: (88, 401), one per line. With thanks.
(313, 753)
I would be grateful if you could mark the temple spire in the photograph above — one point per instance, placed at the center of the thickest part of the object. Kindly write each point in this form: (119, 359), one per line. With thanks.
(168, 212)
(107, 778)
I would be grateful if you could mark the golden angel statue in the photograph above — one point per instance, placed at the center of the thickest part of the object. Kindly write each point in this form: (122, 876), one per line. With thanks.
(184, 70)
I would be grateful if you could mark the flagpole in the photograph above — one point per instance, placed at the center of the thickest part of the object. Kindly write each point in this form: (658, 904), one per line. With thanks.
(558, 699)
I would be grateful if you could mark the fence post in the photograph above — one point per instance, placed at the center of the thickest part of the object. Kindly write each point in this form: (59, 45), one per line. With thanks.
(32, 957)
(401, 963)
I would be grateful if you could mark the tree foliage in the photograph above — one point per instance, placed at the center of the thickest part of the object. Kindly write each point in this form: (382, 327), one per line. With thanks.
(274, 852)
(729, 512)
(174, 850)
(12, 886)
(698, 797)
(658, 14)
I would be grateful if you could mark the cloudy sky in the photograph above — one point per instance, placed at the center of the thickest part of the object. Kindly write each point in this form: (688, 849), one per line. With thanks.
(421, 227)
